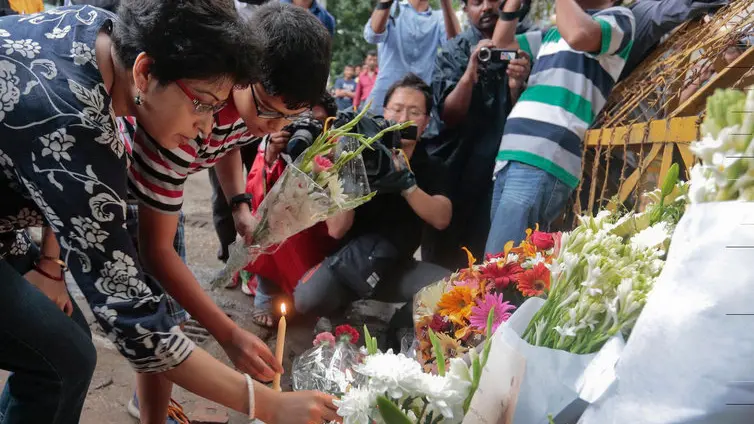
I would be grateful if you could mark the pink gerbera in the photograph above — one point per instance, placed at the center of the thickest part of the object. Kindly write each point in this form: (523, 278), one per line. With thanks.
(322, 163)
(481, 311)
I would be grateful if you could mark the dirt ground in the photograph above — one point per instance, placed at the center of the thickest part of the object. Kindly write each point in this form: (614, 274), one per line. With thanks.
(112, 385)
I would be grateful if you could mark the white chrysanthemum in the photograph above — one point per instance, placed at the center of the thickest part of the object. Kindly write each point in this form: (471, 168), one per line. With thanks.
(445, 395)
(356, 406)
(337, 194)
(391, 374)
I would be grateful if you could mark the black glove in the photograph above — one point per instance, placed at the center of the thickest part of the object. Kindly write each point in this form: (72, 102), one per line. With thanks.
(395, 182)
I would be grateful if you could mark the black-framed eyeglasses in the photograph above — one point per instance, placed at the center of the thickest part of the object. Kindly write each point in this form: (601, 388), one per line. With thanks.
(199, 107)
(273, 114)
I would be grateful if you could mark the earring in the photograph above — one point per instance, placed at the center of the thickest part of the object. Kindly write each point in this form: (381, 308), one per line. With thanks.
(137, 99)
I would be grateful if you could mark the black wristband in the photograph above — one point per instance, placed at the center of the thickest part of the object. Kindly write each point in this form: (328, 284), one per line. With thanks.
(383, 5)
(239, 199)
(512, 16)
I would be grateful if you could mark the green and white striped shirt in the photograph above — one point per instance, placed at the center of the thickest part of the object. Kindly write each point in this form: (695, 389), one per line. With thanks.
(567, 89)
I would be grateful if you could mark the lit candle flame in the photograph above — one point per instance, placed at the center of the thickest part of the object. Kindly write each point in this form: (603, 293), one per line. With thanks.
(282, 308)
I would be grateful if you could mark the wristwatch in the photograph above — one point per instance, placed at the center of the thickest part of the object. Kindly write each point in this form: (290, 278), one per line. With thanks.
(239, 199)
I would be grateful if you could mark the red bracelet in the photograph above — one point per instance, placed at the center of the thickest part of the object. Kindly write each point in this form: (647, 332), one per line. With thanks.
(48, 275)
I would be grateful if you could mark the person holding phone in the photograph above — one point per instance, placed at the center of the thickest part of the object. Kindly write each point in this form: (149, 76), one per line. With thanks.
(378, 239)
(473, 98)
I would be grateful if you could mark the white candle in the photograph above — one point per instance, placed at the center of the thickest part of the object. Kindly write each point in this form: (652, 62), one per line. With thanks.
(280, 347)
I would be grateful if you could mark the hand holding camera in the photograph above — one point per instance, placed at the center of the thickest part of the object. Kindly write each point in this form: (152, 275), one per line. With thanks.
(400, 179)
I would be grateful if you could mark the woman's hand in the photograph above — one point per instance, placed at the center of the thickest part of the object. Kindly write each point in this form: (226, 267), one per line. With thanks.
(251, 355)
(305, 407)
(53, 289)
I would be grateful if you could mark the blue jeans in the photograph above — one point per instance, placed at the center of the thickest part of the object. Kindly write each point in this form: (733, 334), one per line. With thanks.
(267, 291)
(51, 356)
(523, 197)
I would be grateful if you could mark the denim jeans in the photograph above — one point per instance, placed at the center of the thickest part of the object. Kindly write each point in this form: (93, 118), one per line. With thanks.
(523, 197)
(50, 355)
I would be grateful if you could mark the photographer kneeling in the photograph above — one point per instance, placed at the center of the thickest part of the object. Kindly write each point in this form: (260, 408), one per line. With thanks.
(379, 238)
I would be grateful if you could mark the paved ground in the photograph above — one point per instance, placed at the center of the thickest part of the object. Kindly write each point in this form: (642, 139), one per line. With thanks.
(113, 380)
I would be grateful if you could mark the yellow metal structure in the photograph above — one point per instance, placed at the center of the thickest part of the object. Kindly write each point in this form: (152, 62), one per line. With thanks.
(647, 124)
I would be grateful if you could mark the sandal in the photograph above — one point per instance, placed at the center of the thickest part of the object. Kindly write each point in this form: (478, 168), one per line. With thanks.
(263, 317)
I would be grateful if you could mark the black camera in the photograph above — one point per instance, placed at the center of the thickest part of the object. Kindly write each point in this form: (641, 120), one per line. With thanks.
(493, 55)
(378, 159)
(303, 133)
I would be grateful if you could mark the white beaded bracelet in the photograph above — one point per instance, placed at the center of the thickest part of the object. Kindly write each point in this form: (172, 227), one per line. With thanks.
(250, 387)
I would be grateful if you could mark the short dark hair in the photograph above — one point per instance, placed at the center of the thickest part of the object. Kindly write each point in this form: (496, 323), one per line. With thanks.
(413, 81)
(199, 39)
(327, 101)
(296, 53)
(372, 53)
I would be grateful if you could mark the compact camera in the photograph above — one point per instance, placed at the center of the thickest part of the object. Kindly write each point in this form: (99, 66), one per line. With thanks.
(492, 55)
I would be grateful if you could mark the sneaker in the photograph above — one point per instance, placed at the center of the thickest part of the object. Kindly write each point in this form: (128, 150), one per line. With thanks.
(175, 411)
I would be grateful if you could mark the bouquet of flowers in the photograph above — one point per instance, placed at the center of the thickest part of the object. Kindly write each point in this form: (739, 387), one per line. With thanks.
(397, 391)
(600, 280)
(457, 307)
(726, 151)
(329, 366)
(604, 272)
(327, 178)
(693, 340)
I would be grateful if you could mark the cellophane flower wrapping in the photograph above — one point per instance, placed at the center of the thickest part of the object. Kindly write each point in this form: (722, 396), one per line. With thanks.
(328, 368)
(306, 193)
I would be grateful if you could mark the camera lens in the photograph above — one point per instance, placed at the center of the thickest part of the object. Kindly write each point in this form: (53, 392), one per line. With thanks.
(485, 54)
(299, 141)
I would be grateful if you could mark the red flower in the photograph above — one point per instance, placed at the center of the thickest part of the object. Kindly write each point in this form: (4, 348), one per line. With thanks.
(502, 275)
(535, 281)
(543, 241)
(346, 333)
(439, 324)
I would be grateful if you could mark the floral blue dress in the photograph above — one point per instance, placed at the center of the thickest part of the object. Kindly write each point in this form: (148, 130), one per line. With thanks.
(63, 164)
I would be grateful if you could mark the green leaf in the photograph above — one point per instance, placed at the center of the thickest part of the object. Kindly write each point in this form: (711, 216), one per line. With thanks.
(390, 411)
(439, 354)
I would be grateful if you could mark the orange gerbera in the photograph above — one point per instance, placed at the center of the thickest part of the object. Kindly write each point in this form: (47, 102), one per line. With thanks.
(535, 281)
(456, 304)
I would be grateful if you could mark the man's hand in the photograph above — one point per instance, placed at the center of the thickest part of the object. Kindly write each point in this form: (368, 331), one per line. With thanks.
(518, 71)
(396, 182)
(472, 69)
(251, 355)
(276, 143)
(244, 222)
(54, 290)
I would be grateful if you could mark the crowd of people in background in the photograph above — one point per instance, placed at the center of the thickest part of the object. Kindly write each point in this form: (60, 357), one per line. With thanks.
(497, 150)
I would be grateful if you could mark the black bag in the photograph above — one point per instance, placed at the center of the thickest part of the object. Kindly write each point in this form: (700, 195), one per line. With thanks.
(363, 262)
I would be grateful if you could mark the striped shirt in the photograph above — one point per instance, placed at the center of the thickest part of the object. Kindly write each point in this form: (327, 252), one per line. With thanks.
(567, 90)
(157, 175)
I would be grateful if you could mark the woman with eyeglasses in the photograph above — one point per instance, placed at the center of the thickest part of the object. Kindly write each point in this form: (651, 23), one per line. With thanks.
(64, 76)
(295, 61)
